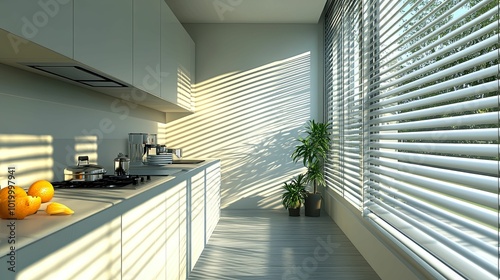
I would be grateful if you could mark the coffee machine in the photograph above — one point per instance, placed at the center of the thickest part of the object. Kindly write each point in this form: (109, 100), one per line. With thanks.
(139, 147)
(142, 147)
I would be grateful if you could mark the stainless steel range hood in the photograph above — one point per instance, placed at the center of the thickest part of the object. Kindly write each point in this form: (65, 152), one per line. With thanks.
(78, 74)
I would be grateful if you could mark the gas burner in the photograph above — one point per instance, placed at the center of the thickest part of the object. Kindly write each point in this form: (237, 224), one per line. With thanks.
(107, 182)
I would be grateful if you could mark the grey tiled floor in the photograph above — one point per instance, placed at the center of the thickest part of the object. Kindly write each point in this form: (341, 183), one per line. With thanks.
(268, 244)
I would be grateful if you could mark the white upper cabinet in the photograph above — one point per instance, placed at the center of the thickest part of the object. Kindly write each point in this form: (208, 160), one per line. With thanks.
(186, 74)
(147, 50)
(103, 36)
(139, 43)
(169, 58)
(48, 23)
(177, 55)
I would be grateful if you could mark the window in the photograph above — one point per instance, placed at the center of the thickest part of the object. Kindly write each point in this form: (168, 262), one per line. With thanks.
(412, 90)
(345, 108)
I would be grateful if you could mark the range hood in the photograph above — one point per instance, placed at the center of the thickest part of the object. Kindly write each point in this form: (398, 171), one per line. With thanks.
(78, 74)
(46, 62)
(32, 57)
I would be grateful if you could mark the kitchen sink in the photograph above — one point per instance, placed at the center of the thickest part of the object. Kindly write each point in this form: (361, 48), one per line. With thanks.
(187, 161)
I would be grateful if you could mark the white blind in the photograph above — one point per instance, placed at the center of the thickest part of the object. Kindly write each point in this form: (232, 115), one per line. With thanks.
(428, 89)
(343, 53)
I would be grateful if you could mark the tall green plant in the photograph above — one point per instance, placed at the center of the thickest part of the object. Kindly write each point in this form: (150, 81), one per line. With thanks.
(313, 149)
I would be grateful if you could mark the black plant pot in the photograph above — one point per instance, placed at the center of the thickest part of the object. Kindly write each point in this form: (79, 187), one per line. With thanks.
(313, 205)
(294, 212)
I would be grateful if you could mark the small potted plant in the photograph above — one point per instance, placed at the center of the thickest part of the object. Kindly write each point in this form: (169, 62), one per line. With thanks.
(313, 150)
(293, 197)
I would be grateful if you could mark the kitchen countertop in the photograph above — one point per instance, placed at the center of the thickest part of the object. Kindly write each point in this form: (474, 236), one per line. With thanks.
(87, 203)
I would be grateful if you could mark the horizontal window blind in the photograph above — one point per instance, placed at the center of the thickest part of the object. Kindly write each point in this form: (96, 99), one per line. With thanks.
(413, 92)
(433, 159)
(343, 53)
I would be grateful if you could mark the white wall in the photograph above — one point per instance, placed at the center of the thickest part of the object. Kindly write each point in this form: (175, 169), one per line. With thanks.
(44, 123)
(256, 86)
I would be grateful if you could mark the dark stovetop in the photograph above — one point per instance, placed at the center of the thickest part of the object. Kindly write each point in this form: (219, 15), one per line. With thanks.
(107, 182)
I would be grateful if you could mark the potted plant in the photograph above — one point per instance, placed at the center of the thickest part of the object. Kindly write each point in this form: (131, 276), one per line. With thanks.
(313, 150)
(293, 197)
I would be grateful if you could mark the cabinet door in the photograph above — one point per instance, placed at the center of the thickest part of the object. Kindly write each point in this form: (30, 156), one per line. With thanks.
(147, 22)
(176, 228)
(213, 183)
(183, 236)
(103, 36)
(95, 255)
(185, 72)
(197, 236)
(169, 63)
(144, 240)
(192, 62)
(47, 23)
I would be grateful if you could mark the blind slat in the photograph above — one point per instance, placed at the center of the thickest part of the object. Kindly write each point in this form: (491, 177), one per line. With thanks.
(473, 211)
(448, 84)
(486, 150)
(445, 247)
(453, 183)
(474, 166)
(449, 35)
(486, 134)
(464, 120)
(484, 103)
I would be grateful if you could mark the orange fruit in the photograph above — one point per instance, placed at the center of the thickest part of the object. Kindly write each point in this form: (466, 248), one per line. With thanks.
(43, 189)
(19, 207)
(34, 204)
(12, 191)
(56, 208)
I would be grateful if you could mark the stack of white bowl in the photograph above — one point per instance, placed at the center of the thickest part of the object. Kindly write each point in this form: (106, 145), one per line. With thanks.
(160, 159)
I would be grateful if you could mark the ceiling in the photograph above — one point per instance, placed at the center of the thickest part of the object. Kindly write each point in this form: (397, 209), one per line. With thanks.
(247, 11)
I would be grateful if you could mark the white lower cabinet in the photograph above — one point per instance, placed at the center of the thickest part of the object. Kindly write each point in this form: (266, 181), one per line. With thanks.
(183, 235)
(164, 236)
(203, 209)
(212, 197)
(176, 232)
(197, 213)
(144, 238)
(156, 234)
(95, 255)
(154, 240)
